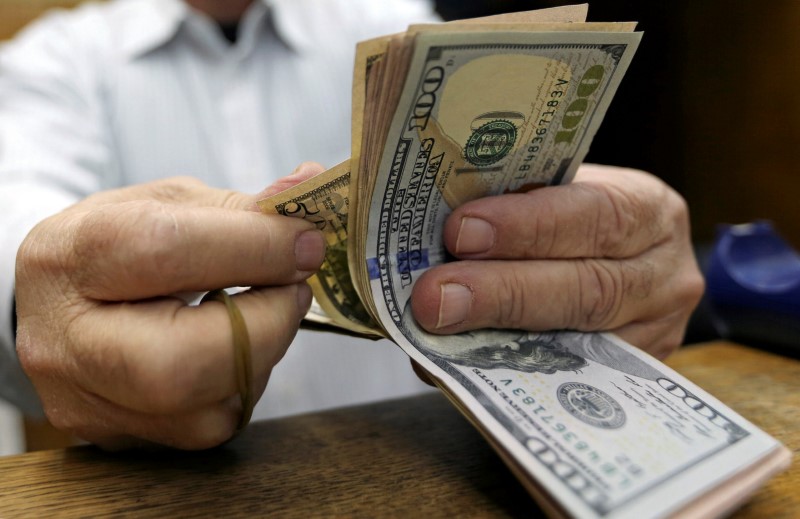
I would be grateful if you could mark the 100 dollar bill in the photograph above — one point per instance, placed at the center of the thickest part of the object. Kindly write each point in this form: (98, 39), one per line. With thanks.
(607, 430)
(481, 114)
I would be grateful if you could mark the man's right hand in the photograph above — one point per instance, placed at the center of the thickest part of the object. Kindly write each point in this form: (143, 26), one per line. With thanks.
(119, 361)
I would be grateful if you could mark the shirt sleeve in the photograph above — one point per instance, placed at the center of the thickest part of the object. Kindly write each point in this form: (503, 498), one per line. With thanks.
(53, 152)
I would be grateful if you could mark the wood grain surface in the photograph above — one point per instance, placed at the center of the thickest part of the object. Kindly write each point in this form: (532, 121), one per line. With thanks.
(404, 458)
(400, 458)
(765, 389)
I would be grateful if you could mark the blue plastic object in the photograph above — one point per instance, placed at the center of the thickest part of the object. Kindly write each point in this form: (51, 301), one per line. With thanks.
(753, 285)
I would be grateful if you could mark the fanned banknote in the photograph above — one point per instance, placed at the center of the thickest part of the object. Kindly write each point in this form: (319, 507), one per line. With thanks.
(481, 114)
(445, 114)
(324, 201)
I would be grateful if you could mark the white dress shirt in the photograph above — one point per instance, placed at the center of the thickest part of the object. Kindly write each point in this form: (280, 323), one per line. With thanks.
(136, 90)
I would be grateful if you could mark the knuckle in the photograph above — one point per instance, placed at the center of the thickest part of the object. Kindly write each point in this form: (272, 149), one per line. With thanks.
(43, 250)
(694, 287)
(31, 255)
(670, 345)
(512, 309)
(677, 208)
(276, 234)
(685, 285)
(209, 430)
(138, 238)
(94, 237)
(308, 165)
(621, 213)
(677, 220)
(43, 340)
(214, 434)
(600, 295)
(176, 189)
(625, 211)
(546, 230)
(153, 238)
(229, 199)
(637, 279)
(669, 342)
(61, 420)
(29, 354)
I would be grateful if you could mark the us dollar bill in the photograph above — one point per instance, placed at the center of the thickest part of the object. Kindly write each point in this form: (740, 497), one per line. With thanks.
(481, 114)
(324, 201)
(604, 429)
(372, 51)
(607, 430)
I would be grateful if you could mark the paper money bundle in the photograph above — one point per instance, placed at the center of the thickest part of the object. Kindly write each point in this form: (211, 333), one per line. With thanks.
(444, 114)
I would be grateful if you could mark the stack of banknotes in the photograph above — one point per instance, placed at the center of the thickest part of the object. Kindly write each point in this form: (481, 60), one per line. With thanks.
(444, 114)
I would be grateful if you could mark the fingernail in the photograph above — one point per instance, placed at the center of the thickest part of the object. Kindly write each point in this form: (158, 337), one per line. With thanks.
(475, 235)
(309, 250)
(303, 298)
(454, 305)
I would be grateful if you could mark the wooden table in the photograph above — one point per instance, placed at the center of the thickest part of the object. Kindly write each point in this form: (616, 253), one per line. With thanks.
(411, 457)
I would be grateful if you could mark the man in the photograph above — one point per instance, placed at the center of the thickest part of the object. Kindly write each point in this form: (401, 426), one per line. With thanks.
(130, 93)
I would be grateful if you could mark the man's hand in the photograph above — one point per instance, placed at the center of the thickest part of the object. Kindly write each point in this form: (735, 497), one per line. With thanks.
(611, 251)
(119, 361)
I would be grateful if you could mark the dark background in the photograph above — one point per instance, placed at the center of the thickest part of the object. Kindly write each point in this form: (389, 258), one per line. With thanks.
(710, 103)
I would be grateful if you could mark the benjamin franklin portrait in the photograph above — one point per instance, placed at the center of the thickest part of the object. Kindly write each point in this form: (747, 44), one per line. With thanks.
(529, 352)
